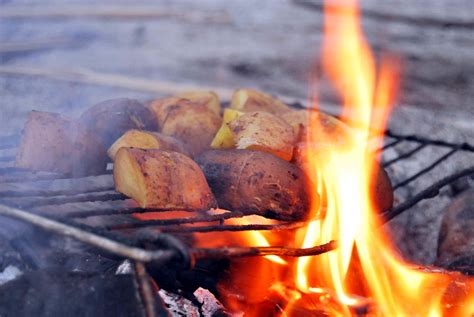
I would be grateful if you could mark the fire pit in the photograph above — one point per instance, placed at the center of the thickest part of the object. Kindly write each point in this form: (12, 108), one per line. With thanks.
(316, 237)
(88, 209)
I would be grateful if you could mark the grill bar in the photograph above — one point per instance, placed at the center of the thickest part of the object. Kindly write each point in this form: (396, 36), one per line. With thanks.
(157, 257)
(218, 228)
(405, 155)
(429, 192)
(419, 139)
(122, 236)
(425, 170)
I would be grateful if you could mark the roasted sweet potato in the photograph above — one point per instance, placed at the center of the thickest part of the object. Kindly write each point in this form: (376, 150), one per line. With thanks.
(224, 139)
(251, 100)
(51, 142)
(256, 182)
(162, 179)
(264, 132)
(381, 191)
(112, 118)
(146, 140)
(194, 124)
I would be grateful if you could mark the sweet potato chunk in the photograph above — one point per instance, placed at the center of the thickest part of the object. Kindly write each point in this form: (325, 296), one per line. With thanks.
(161, 179)
(251, 100)
(51, 142)
(194, 124)
(112, 118)
(264, 132)
(256, 182)
(146, 140)
(224, 139)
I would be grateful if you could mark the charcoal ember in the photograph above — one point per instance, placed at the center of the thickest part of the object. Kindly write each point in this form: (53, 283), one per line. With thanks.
(177, 305)
(61, 293)
(456, 238)
(210, 306)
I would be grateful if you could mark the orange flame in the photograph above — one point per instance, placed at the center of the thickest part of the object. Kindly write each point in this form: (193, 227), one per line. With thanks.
(344, 175)
(365, 268)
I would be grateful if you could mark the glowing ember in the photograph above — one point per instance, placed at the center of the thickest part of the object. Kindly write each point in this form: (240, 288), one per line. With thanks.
(364, 272)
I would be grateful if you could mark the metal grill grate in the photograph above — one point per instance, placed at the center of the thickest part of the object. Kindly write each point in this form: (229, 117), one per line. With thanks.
(124, 235)
(30, 196)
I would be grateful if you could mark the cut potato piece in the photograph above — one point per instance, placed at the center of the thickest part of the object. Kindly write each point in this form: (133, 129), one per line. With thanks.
(251, 100)
(53, 143)
(208, 98)
(335, 131)
(162, 179)
(264, 132)
(224, 138)
(146, 140)
(256, 182)
(112, 118)
(160, 108)
(194, 124)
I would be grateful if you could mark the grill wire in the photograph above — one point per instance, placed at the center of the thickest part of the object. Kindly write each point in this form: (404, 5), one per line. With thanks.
(131, 238)
(9, 175)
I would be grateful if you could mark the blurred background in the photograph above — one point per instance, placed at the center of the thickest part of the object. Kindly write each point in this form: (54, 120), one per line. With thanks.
(65, 56)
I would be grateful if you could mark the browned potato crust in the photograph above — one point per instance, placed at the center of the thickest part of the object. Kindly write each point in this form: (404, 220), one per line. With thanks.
(252, 100)
(264, 132)
(194, 124)
(300, 120)
(112, 118)
(162, 179)
(208, 98)
(146, 140)
(256, 182)
(51, 142)
(161, 107)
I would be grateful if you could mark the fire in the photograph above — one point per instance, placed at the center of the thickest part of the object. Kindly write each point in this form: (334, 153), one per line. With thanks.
(344, 175)
(365, 268)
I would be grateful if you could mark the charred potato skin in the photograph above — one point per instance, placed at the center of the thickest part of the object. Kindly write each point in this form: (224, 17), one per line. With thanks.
(256, 182)
(112, 118)
(51, 142)
(171, 180)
